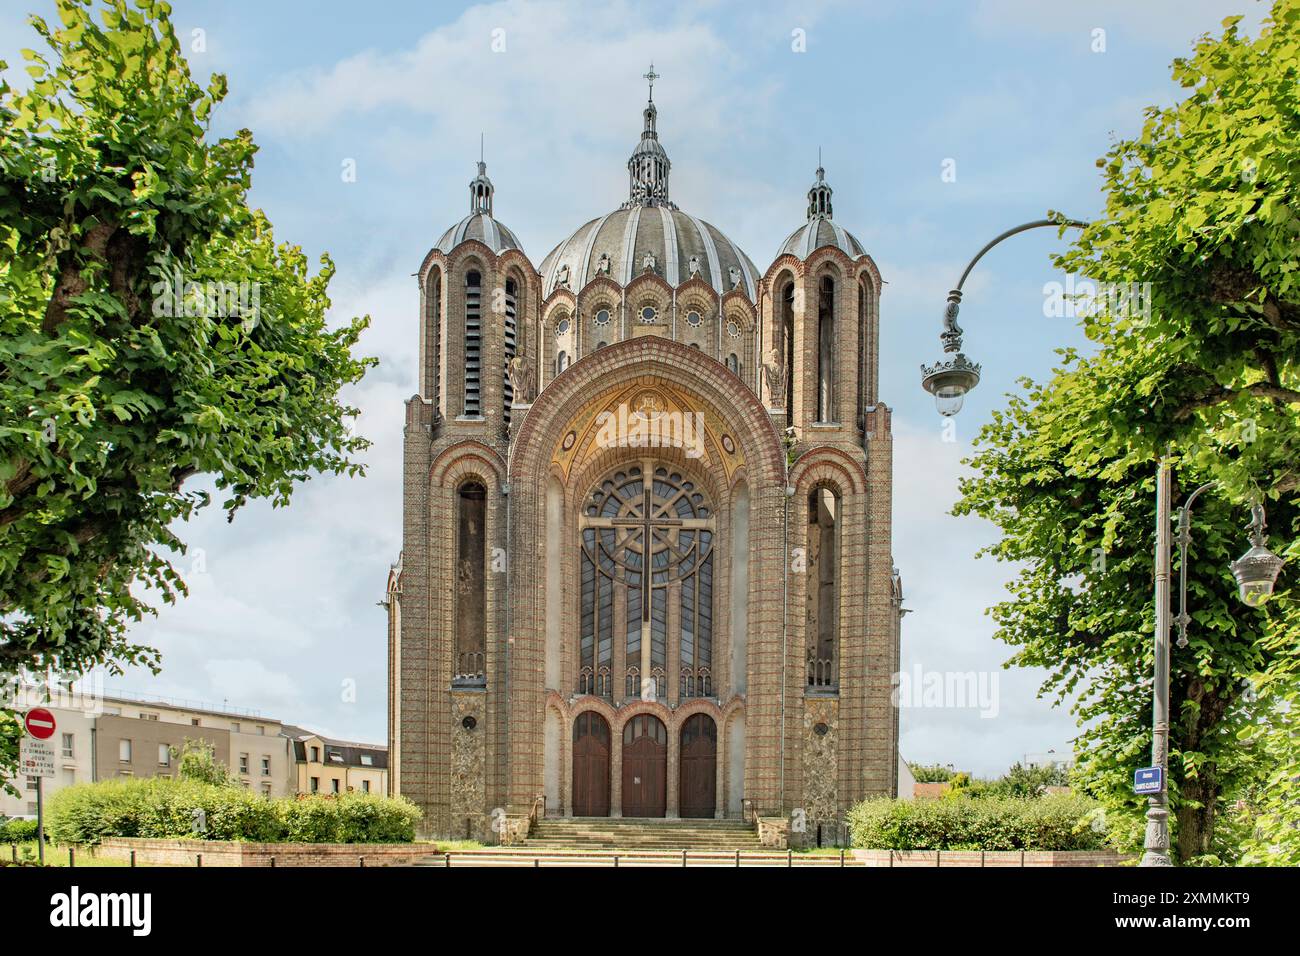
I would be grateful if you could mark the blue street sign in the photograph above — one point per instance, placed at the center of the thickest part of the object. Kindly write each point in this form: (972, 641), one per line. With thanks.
(1148, 780)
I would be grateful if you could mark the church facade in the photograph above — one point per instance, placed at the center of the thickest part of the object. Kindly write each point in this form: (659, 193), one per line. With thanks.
(646, 566)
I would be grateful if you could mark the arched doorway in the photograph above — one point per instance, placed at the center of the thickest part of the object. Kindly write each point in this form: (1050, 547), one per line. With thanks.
(698, 785)
(590, 765)
(645, 767)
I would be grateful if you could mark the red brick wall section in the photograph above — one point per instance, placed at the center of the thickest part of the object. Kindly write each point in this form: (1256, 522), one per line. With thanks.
(228, 853)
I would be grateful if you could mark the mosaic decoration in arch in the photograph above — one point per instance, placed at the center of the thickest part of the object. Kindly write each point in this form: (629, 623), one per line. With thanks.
(650, 398)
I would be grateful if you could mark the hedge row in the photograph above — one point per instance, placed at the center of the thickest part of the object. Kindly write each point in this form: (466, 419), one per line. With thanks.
(17, 831)
(1066, 822)
(161, 807)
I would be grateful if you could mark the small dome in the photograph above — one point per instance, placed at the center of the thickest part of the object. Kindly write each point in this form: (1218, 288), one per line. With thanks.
(812, 235)
(820, 230)
(479, 224)
(482, 227)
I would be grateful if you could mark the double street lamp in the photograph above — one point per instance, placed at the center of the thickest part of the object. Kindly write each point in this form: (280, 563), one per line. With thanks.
(1256, 571)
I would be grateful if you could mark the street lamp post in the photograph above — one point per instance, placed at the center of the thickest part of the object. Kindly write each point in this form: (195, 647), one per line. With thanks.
(1256, 571)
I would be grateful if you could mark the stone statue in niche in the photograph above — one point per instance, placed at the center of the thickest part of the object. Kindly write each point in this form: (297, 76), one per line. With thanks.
(649, 262)
(694, 266)
(734, 275)
(774, 375)
(562, 277)
(521, 381)
(602, 264)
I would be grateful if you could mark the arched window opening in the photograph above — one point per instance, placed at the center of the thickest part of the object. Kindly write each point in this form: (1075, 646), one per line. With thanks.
(647, 540)
(733, 363)
(471, 592)
(433, 339)
(826, 350)
(507, 390)
(823, 572)
(787, 343)
(561, 362)
(863, 353)
(473, 343)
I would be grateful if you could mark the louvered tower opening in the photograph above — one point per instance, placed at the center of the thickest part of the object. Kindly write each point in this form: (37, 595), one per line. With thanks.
(507, 388)
(473, 344)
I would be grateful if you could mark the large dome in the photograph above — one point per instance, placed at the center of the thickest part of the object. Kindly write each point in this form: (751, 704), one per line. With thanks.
(648, 233)
(680, 244)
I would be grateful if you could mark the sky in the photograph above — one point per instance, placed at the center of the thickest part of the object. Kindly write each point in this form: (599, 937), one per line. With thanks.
(940, 124)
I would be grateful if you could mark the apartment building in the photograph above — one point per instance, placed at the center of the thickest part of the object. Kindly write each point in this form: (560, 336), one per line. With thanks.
(326, 765)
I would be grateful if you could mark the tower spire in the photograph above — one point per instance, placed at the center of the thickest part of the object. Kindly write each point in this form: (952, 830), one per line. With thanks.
(819, 195)
(648, 165)
(480, 187)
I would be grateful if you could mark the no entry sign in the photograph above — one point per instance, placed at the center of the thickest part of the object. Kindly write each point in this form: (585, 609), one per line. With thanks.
(39, 723)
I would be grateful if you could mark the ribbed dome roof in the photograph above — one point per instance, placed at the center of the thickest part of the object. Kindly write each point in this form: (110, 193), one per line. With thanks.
(820, 230)
(816, 233)
(673, 237)
(484, 228)
(479, 224)
(650, 225)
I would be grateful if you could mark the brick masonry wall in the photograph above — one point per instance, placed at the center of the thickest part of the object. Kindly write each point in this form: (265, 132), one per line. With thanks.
(228, 853)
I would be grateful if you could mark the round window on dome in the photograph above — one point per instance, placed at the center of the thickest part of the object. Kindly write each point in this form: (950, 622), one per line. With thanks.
(693, 318)
(601, 317)
(649, 314)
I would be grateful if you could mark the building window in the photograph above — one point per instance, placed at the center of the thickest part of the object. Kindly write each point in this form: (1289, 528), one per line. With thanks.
(367, 760)
(266, 789)
(69, 776)
(602, 317)
(243, 763)
(365, 786)
(693, 319)
(473, 343)
(822, 610)
(315, 755)
(562, 362)
(826, 350)
(334, 785)
(315, 784)
(194, 721)
(164, 755)
(649, 314)
(787, 342)
(637, 508)
(471, 593)
(67, 745)
(733, 364)
(124, 751)
(266, 766)
(144, 716)
(234, 727)
(562, 326)
(434, 337)
(112, 711)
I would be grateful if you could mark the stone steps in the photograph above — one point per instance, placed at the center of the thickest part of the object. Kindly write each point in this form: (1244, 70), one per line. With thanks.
(643, 834)
(524, 857)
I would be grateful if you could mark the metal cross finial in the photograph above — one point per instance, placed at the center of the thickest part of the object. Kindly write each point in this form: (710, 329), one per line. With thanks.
(480, 147)
(652, 76)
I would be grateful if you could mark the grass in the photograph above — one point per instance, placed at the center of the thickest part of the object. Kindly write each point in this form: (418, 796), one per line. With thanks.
(444, 846)
(58, 856)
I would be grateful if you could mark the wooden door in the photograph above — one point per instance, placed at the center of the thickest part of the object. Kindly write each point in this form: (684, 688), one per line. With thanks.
(645, 767)
(698, 761)
(590, 765)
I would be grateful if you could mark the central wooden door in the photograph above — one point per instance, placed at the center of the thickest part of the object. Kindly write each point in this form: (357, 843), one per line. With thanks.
(698, 785)
(590, 765)
(645, 767)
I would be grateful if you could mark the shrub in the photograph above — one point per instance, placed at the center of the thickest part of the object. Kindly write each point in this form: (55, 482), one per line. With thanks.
(163, 808)
(17, 831)
(1066, 822)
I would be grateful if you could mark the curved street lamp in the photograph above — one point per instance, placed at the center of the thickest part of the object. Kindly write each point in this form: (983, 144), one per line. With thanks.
(948, 380)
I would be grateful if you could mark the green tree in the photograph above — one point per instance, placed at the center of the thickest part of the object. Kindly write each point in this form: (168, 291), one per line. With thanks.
(930, 773)
(197, 760)
(151, 330)
(1201, 216)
